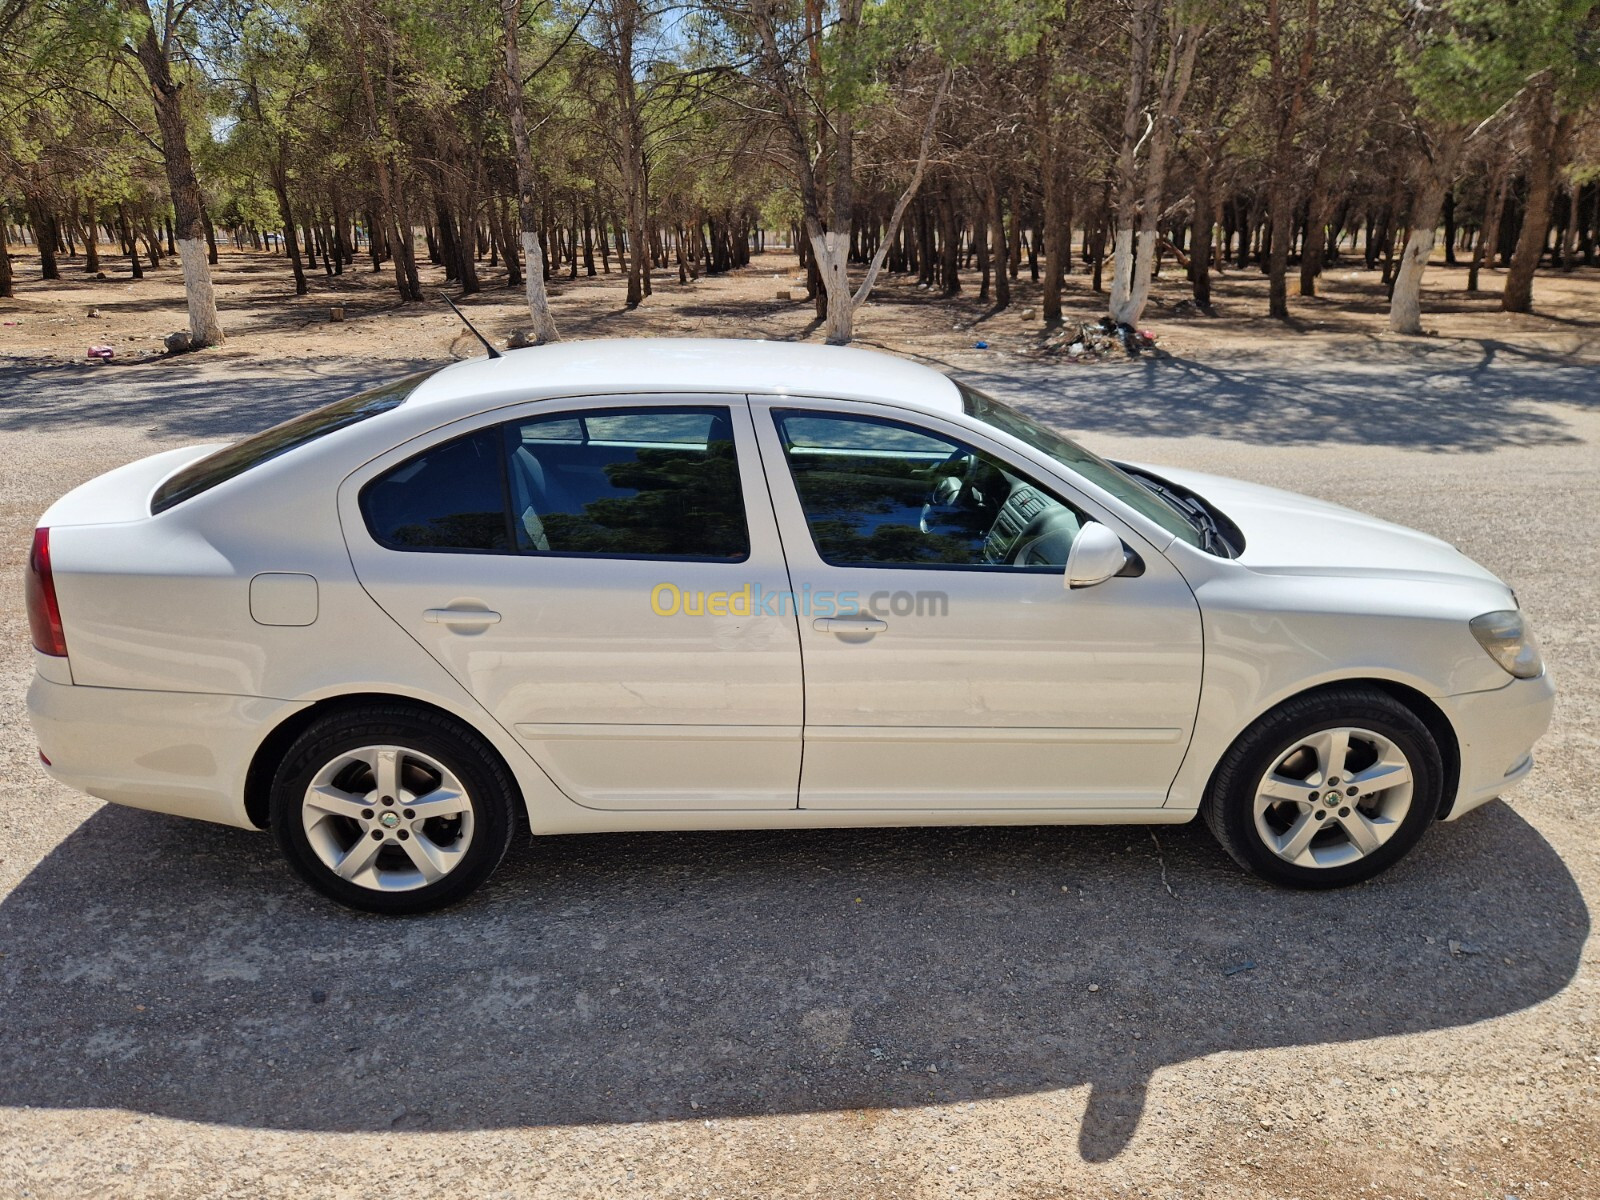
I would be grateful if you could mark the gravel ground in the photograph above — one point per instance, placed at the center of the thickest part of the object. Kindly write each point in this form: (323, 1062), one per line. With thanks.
(995, 1012)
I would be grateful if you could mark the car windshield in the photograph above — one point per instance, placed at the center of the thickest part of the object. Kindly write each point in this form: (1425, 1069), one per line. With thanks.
(1075, 458)
(234, 460)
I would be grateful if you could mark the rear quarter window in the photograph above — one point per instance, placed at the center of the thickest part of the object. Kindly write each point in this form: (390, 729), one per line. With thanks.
(240, 457)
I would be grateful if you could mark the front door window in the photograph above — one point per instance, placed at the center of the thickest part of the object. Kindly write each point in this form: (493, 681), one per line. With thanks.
(881, 493)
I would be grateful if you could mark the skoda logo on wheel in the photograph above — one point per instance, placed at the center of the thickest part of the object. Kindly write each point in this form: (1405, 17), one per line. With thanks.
(389, 820)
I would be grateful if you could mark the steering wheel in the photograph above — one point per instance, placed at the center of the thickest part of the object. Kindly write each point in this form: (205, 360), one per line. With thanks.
(1045, 541)
(952, 487)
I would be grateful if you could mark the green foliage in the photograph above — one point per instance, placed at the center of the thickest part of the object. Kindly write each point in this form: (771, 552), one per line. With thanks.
(320, 96)
(1466, 58)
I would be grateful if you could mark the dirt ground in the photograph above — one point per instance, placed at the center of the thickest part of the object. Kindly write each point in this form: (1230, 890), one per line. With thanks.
(991, 1013)
(266, 322)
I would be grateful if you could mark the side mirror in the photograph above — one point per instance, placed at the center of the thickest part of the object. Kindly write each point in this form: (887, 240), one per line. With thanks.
(1096, 555)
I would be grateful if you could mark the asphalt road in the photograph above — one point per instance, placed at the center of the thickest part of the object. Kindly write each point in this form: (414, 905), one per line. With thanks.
(907, 1012)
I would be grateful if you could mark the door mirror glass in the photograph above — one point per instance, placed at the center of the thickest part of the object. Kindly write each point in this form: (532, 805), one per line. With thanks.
(1096, 555)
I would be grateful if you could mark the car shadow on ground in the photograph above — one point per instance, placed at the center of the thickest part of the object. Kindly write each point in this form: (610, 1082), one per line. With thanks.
(177, 969)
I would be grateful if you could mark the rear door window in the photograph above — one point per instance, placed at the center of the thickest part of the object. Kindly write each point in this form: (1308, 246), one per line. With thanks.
(451, 497)
(653, 482)
(643, 482)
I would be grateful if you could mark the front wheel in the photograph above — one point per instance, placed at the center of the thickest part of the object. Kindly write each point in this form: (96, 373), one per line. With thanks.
(391, 809)
(1326, 790)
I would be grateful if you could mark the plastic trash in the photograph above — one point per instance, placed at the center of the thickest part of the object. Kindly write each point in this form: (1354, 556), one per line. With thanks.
(100, 352)
(980, 345)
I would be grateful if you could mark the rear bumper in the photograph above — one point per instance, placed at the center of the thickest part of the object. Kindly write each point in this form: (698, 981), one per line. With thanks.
(173, 752)
(1497, 731)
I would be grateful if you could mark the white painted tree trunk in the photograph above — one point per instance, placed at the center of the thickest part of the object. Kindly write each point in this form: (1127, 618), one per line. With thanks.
(544, 325)
(1132, 261)
(1436, 171)
(205, 327)
(1121, 268)
(1405, 306)
(1134, 253)
(833, 251)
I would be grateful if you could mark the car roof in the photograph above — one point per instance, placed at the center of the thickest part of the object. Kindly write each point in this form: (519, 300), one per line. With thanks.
(642, 365)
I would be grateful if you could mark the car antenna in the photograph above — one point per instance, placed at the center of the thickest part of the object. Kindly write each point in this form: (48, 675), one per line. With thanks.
(487, 344)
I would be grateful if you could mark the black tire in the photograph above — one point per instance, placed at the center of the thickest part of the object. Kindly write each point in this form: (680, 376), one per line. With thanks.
(1229, 804)
(488, 786)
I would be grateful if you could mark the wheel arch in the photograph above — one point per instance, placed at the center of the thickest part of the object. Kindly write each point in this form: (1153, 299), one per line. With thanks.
(258, 778)
(1420, 704)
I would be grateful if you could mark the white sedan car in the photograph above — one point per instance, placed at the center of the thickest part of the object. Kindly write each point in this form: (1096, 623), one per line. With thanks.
(649, 585)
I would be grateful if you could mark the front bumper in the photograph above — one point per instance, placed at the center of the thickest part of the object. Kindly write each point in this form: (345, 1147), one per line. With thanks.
(182, 753)
(1496, 731)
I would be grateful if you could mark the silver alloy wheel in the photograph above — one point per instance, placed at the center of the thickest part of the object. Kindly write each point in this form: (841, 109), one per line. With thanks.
(387, 818)
(1333, 797)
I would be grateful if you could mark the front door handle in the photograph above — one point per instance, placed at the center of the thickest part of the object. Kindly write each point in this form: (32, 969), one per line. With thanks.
(460, 616)
(849, 625)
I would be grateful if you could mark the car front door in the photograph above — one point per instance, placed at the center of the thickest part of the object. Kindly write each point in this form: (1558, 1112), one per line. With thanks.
(585, 569)
(946, 664)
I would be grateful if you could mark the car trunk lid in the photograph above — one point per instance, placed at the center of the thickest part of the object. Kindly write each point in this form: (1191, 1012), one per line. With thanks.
(122, 494)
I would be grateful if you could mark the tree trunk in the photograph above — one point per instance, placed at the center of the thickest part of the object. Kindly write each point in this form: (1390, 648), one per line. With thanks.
(91, 241)
(950, 244)
(1316, 238)
(533, 267)
(1450, 228)
(1436, 172)
(126, 229)
(1547, 140)
(44, 237)
(1202, 232)
(638, 249)
(1055, 253)
(1133, 253)
(280, 187)
(998, 249)
(152, 240)
(205, 327)
(398, 231)
(1280, 196)
(1569, 235)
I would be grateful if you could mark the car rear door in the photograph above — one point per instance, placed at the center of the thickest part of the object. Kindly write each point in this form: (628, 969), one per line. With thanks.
(589, 570)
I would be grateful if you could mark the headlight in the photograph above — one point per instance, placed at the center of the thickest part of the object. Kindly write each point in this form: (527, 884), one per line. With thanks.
(1509, 642)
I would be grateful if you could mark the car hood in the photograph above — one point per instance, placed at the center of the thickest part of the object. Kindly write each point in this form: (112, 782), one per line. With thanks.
(1289, 534)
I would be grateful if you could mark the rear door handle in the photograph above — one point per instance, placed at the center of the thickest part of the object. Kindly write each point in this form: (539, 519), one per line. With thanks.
(460, 616)
(849, 625)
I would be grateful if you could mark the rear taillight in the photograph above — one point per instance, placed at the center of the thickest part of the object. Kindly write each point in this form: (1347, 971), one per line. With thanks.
(44, 614)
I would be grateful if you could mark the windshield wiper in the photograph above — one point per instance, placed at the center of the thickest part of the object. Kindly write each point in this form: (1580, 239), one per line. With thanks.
(1191, 510)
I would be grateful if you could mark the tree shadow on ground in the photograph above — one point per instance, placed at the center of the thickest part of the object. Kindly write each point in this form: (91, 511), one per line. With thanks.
(203, 396)
(177, 969)
(1424, 397)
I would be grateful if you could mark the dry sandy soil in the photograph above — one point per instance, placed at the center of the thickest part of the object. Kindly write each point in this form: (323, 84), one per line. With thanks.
(948, 1013)
(266, 322)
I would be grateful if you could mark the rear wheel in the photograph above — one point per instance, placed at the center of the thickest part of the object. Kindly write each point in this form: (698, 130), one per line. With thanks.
(391, 809)
(1326, 790)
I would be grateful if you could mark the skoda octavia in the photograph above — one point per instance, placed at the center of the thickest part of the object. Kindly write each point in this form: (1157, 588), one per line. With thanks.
(652, 585)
